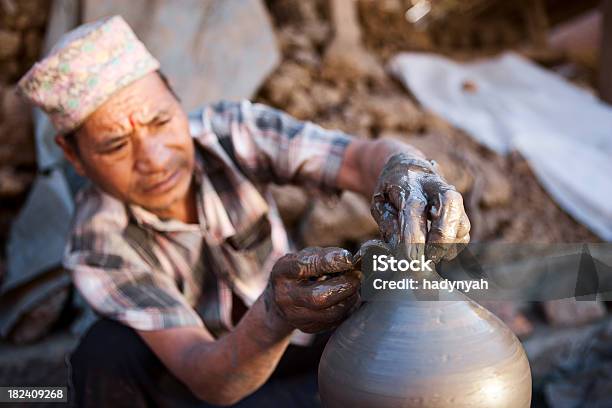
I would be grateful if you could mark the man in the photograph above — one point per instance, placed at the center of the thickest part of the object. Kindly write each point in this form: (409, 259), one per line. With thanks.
(178, 236)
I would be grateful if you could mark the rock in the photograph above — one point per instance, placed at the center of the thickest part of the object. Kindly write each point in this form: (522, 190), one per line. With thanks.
(8, 7)
(394, 112)
(31, 14)
(304, 17)
(356, 118)
(295, 12)
(12, 107)
(292, 38)
(9, 71)
(318, 31)
(348, 220)
(301, 106)
(291, 201)
(433, 123)
(10, 42)
(32, 42)
(503, 198)
(307, 58)
(289, 77)
(497, 189)
(345, 61)
(385, 27)
(16, 138)
(325, 96)
(569, 312)
(12, 183)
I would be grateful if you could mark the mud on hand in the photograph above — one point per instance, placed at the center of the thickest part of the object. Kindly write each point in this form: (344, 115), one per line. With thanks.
(315, 289)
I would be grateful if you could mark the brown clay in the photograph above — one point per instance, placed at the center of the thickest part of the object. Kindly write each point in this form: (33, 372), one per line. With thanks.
(410, 191)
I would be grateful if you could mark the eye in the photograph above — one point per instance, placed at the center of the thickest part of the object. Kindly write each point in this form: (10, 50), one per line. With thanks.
(114, 148)
(163, 121)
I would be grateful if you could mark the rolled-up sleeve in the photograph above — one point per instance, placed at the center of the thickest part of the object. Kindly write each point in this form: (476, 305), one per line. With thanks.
(271, 146)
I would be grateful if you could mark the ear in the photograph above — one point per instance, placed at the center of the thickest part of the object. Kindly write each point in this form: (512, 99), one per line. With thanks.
(70, 153)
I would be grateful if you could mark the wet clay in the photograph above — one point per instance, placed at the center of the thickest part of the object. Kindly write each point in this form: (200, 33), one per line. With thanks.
(411, 192)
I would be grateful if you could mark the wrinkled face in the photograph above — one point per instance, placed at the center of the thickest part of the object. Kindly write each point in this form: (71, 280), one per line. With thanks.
(137, 147)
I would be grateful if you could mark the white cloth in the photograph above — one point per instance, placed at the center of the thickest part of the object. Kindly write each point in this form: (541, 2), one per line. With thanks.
(564, 132)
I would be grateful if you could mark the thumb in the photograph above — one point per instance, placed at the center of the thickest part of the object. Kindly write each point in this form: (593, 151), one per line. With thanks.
(314, 262)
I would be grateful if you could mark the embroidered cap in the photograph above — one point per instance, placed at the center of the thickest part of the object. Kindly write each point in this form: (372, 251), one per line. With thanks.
(84, 69)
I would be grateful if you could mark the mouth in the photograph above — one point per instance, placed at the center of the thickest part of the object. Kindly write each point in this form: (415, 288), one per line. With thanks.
(164, 185)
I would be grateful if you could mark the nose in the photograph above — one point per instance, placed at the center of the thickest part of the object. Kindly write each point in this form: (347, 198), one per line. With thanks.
(152, 156)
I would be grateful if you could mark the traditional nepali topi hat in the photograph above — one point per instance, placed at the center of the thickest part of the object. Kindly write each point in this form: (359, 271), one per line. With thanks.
(84, 69)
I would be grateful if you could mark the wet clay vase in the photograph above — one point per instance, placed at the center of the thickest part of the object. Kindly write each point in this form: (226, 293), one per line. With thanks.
(407, 353)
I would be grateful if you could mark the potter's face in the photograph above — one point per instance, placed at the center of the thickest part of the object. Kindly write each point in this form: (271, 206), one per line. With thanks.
(137, 146)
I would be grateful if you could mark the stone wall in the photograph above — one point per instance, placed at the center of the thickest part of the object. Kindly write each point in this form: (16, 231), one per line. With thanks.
(22, 27)
(346, 88)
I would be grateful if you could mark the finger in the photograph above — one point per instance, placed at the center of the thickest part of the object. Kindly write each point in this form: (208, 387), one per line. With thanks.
(386, 216)
(447, 214)
(455, 249)
(315, 262)
(321, 295)
(437, 251)
(378, 200)
(344, 310)
(464, 226)
(414, 221)
(367, 246)
(336, 312)
(396, 195)
(311, 321)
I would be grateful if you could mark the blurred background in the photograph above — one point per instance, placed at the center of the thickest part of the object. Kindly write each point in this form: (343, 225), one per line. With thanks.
(327, 61)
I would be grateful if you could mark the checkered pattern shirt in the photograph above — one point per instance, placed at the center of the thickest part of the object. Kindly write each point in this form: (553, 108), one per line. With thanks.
(152, 274)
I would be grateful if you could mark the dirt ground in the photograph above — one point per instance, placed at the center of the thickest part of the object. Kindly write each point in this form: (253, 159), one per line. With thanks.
(348, 89)
(22, 26)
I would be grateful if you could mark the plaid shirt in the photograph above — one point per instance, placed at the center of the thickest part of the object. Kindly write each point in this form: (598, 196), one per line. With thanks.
(154, 274)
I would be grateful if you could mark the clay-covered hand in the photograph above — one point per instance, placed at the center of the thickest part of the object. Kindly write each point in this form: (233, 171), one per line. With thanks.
(314, 289)
(410, 192)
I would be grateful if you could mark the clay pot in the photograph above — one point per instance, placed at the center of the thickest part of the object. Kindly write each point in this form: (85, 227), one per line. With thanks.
(424, 353)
